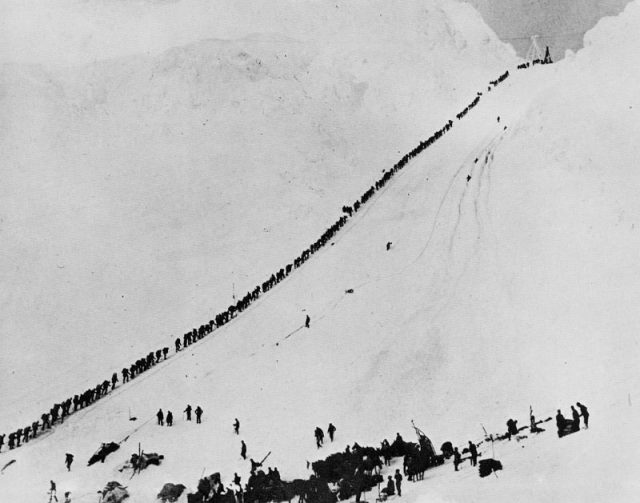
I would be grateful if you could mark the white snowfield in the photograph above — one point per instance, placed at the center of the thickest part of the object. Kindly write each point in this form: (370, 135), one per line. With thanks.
(516, 287)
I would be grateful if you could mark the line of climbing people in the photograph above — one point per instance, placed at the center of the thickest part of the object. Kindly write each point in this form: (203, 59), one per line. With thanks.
(61, 410)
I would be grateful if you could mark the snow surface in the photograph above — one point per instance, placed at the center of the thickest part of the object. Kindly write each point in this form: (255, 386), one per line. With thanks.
(519, 287)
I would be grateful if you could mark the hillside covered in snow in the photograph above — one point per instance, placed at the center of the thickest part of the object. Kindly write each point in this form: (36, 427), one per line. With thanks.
(140, 189)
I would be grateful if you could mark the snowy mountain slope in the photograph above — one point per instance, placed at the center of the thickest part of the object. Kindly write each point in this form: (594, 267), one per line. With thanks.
(514, 288)
(139, 194)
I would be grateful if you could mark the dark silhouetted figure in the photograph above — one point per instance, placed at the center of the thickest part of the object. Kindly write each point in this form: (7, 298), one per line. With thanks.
(468, 178)
(456, 458)
(169, 418)
(474, 453)
(236, 426)
(319, 434)
(68, 459)
(236, 479)
(243, 450)
(52, 492)
(331, 430)
(307, 321)
(398, 478)
(114, 380)
(389, 490)
(188, 412)
(255, 465)
(585, 414)
(1, 441)
(198, 414)
(388, 245)
(560, 423)
(160, 416)
(512, 428)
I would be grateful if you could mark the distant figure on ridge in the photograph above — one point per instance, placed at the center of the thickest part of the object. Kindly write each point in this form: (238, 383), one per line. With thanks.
(198, 414)
(307, 321)
(243, 449)
(236, 426)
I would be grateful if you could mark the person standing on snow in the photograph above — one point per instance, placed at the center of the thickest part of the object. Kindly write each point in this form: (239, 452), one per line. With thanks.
(585, 415)
(198, 414)
(243, 450)
(160, 416)
(331, 430)
(398, 478)
(474, 453)
(169, 418)
(307, 321)
(236, 427)
(457, 459)
(68, 459)
(188, 412)
(560, 423)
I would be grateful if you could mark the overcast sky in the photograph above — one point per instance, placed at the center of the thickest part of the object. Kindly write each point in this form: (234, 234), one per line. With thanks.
(77, 31)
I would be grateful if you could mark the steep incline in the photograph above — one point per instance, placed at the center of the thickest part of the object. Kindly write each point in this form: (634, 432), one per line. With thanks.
(140, 194)
(516, 287)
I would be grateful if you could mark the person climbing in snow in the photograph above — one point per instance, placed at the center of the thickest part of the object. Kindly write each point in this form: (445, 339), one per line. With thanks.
(457, 459)
(198, 414)
(67, 497)
(398, 478)
(236, 427)
(585, 415)
(243, 450)
(11, 440)
(68, 459)
(512, 428)
(473, 451)
(1, 441)
(165, 352)
(319, 434)
(307, 321)
(114, 380)
(169, 418)
(160, 416)
(178, 344)
(576, 419)
(188, 412)
(331, 430)
(125, 375)
(388, 245)
(560, 423)
(52, 492)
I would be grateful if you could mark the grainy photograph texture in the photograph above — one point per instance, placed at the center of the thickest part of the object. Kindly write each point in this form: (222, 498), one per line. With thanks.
(319, 251)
